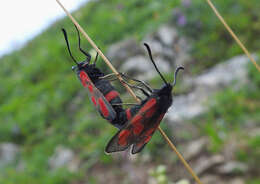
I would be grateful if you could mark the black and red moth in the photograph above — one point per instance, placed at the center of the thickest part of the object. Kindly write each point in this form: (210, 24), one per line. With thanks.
(100, 91)
(139, 129)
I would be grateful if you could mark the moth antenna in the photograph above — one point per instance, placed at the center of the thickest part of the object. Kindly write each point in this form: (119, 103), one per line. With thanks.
(68, 46)
(175, 74)
(96, 59)
(151, 57)
(84, 52)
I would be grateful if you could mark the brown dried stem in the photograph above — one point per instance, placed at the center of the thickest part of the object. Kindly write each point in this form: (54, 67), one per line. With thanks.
(233, 35)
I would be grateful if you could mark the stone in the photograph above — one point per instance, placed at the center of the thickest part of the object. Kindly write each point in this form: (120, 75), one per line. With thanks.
(232, 167)
(187, 106)
(204, 86)
(225, 73)
(194, 148)
(237, 181)
(211, 179)
(204, 163)
(167, 35)
(63, 157)
(142, 68)
(119, 52)
(9, 153)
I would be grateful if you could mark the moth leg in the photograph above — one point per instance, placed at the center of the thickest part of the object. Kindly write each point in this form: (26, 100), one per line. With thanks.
(110, 77)
(125, 77)
(137, 87)
(113, 77)
(125, 104)
(139, 81)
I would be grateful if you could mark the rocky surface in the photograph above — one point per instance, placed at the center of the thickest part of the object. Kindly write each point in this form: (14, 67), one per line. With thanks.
(64, 157)
(167, 48)
(207, 84)
(9, 154)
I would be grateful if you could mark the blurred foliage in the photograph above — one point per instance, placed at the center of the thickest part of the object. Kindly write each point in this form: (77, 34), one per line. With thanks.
(43, 104)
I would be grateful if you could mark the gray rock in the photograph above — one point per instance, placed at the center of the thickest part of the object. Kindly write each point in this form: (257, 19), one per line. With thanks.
(167, 35)
(63, 157)
(181, 50)
(232, 167)
(225, 73)
(207, 84)
(204, 163)
(237, 181)
(194, 148)
(141, 67)
(9, 153)
(169, 46)
(119, 52)
(187, 106)
(155, 45)
(211, 179)
(215, 179)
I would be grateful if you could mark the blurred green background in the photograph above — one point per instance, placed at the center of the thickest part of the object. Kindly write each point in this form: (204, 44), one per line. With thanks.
(44, 108)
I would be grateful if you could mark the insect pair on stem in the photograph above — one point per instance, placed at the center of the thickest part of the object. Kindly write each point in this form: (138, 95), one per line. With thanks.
(136, 124)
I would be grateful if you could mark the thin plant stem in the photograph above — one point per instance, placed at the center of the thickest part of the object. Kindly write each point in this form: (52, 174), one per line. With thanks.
(130, 91)
(233, 35)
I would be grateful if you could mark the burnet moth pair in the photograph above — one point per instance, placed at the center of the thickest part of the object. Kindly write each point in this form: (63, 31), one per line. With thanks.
(138, 123)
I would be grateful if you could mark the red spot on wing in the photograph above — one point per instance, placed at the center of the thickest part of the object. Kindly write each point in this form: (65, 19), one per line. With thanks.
(122, 142)
(147, 139)
(137, 119)
(138, 127)
(148, 105)
(143, 141)
(124, 134)
(103, 107)
(150, 131)
(150, 112)
(90, 87)
(128, 114)
(122, 138)
(94, 100)
(111, 95)
(84, 78)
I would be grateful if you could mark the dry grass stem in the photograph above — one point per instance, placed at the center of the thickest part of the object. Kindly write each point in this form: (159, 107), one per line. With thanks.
(233, 35)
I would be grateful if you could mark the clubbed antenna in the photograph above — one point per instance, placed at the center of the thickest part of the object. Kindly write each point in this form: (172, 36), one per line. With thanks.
(68, 46)
(84, 52)
(151, 57)
(175, 74)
